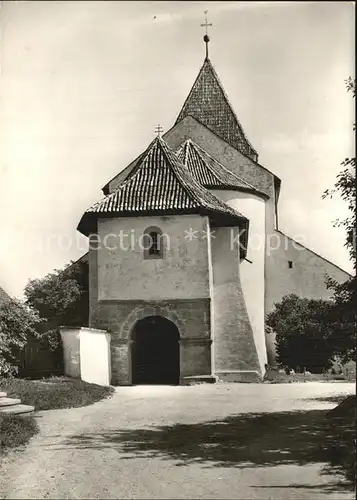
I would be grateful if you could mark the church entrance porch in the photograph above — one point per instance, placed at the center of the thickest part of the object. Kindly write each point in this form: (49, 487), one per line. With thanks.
(155, 352)
(180, 334)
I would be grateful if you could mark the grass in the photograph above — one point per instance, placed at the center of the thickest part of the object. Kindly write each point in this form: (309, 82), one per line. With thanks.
(55, 392)
(275, 377)
(46, 394)
(15, 431)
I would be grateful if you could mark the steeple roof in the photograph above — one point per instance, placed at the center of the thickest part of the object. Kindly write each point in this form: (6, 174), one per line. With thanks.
(160, 184)
(209, 104)
(208, 171)
(4, 296)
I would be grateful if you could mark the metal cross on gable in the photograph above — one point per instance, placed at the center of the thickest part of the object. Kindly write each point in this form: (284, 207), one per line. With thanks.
(206, 37)
(159, 130)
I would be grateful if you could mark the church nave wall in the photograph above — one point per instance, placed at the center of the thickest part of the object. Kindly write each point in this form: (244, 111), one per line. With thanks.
(293, 268)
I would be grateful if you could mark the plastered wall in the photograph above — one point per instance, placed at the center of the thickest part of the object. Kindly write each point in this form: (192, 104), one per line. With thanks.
(95, 357)
(234, 349)
(252, 271)
(306, 278)
(71, 351)
(124, 273)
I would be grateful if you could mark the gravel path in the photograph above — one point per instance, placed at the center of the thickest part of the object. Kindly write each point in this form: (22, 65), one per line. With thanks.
(160, 442)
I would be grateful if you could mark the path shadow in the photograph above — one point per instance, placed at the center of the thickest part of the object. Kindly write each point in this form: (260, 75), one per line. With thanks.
(246, 440)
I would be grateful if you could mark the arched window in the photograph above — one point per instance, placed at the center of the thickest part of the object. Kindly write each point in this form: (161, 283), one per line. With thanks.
(153, 243)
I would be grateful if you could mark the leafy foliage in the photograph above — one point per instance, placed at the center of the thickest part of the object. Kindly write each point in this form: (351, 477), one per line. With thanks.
(343, 314)
(61, 298)
(346, 186)
(342, 318)
(302, 337)
(17, 323)
(351, 85)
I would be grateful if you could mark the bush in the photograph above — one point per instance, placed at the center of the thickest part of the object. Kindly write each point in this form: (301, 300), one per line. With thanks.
(61, 298)
(17, 323)
(303, 337)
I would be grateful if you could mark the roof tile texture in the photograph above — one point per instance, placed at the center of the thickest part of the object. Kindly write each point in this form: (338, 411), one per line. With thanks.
(208, 171)
(161, 183)
(209, 104)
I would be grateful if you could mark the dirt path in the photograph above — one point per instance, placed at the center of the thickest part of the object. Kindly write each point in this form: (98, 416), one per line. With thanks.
(181, 442)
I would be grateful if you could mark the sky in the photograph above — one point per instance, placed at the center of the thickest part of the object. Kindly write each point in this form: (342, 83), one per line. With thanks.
(84, 84)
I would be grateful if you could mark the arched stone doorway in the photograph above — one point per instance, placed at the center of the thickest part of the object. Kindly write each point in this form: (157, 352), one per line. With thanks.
(155, 355)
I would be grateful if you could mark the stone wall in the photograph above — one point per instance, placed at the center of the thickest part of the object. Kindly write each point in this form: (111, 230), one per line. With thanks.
(191, 317)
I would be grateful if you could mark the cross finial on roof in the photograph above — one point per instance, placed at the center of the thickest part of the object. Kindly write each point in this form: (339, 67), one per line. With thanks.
(159, 130)
(206, 37)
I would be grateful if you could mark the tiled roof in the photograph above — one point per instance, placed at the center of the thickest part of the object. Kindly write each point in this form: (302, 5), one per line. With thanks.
(3, 295)
(160, 183)
(208, 171)
(209, 104)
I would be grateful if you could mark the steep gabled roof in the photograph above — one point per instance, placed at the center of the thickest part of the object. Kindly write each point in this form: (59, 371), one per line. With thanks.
(4, 296)
(209, 104)
(160, 184)
(209, 172)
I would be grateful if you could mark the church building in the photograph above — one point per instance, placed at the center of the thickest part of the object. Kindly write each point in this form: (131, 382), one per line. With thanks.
(186, 257)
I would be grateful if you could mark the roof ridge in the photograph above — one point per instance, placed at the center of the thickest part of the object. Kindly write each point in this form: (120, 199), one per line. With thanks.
(167, 153)
(187, 150)
(190, 92)
(192, 151)
(131, 176)
(208, 166)
(144, 156)
(4, 295)
(314, 252)
(161, 182)
(225, 140)
(230, 105)
(194, 144)
(182, 171)
(235, 134)
(217, 176)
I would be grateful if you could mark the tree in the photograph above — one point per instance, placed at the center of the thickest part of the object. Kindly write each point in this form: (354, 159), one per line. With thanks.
(17, 323)
(60, 298)
(302, 338)
(312, 332)
(343, 315)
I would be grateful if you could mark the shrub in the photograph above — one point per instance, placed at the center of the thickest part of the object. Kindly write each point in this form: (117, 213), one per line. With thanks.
(17, 323)
(303, 337)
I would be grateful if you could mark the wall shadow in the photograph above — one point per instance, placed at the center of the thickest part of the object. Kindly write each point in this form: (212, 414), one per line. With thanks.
(246, 440)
